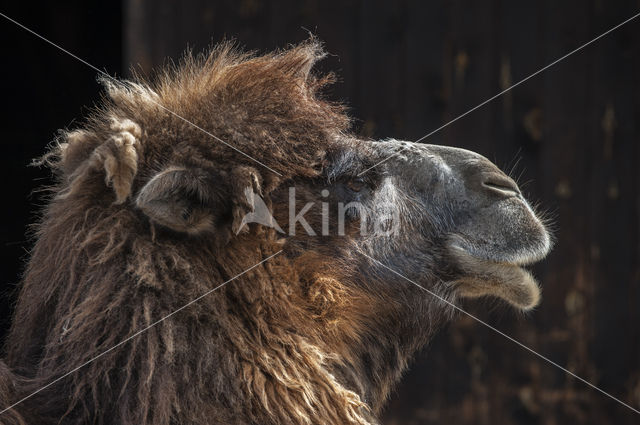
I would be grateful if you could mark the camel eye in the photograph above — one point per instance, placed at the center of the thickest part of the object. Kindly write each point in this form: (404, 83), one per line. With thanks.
(356, 184)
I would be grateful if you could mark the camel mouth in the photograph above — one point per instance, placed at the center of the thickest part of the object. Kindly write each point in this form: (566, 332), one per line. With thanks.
(497, 277)
(520, 260)
(528, 253)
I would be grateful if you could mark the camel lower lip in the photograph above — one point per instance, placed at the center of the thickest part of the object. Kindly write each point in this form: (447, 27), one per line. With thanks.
(526, 257)
(522, 263)
(526, 260)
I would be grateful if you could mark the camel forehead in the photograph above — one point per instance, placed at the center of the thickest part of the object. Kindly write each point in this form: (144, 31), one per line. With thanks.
(415, 153)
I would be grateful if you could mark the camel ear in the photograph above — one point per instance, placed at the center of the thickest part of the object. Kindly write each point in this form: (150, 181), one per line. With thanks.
(181, 199)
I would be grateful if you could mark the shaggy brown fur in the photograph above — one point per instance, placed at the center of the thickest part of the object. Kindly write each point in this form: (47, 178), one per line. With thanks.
(143, 221)
(250, 352)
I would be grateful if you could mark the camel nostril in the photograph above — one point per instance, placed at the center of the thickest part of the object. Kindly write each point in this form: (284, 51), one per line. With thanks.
(501, 184)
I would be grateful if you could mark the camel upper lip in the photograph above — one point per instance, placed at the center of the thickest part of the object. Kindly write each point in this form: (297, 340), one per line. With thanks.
(526, 257)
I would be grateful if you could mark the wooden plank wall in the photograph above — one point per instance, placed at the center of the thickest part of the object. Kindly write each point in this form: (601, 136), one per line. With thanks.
(571, 135)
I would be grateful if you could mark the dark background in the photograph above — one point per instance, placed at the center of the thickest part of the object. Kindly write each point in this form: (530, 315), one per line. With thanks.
(570, 133)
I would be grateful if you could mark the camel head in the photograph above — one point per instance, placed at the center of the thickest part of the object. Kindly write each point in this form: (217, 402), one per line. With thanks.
(233, 149)
(230, 176)
(440, 216)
